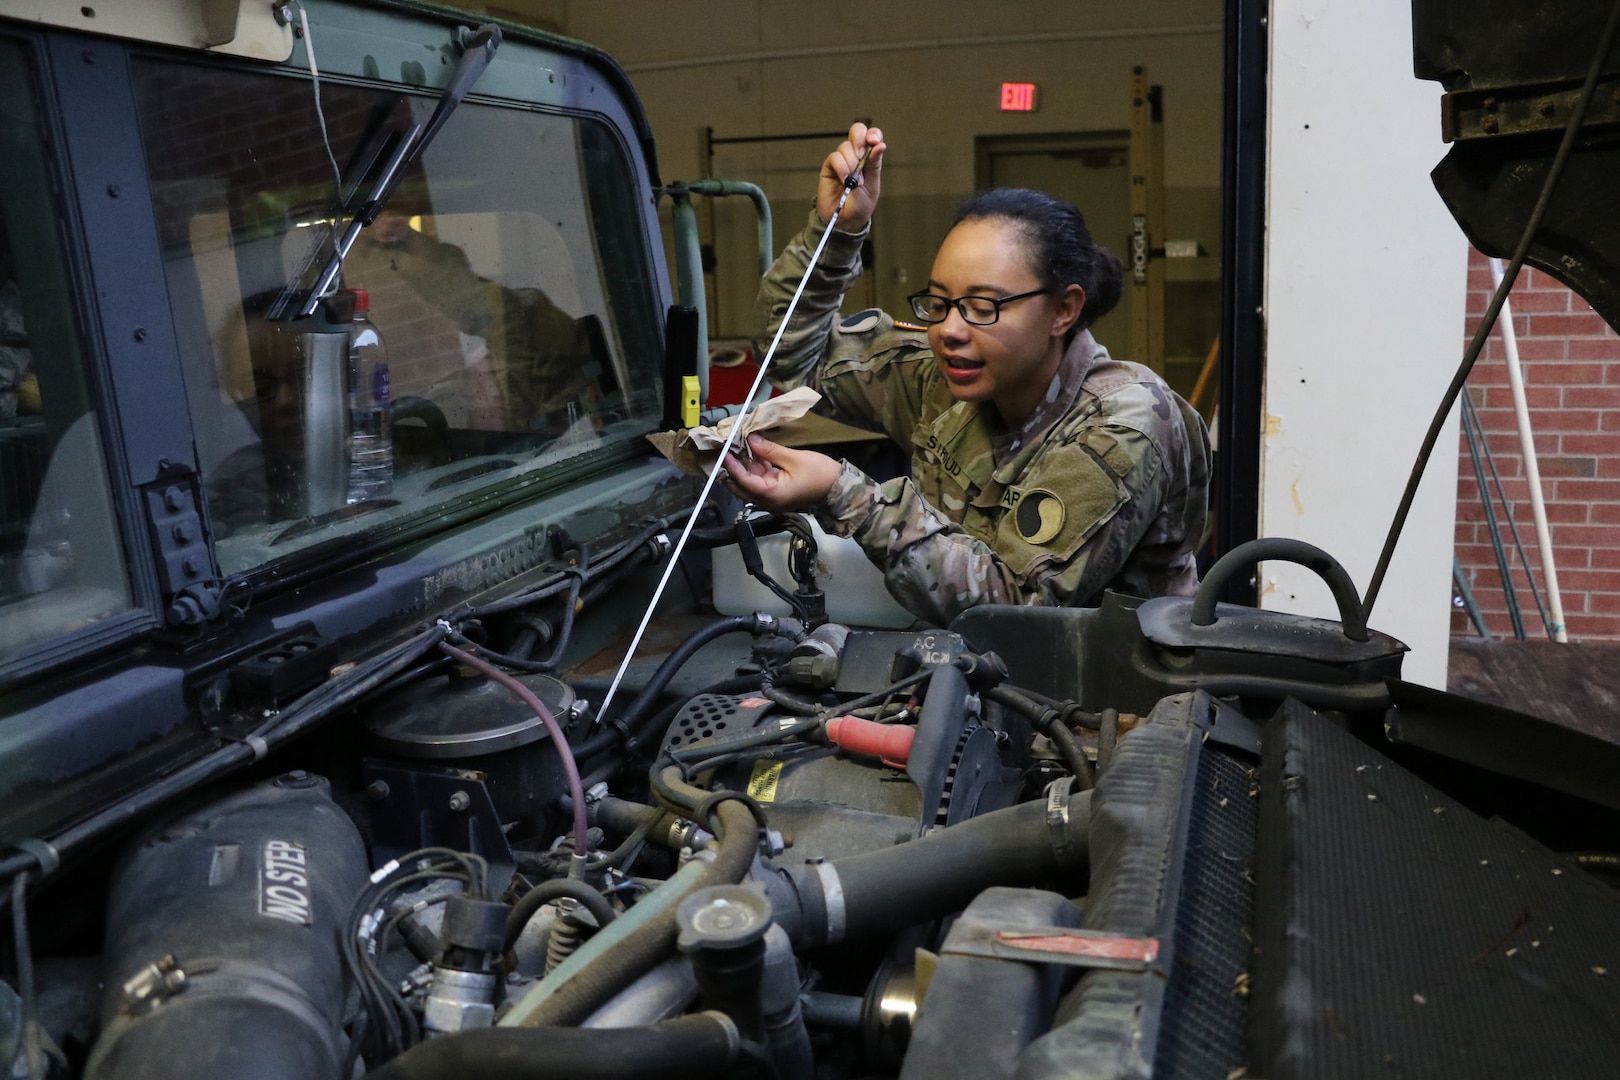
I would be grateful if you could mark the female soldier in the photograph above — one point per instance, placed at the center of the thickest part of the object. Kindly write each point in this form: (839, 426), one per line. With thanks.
(1043, 471)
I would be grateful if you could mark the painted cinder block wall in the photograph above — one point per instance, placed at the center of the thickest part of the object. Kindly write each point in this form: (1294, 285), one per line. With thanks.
(1571, 363)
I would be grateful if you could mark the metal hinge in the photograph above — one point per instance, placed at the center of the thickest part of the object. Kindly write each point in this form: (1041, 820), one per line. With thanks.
(190, 583)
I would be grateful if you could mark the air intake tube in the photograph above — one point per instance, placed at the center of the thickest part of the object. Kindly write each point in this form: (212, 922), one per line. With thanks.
(222, 941)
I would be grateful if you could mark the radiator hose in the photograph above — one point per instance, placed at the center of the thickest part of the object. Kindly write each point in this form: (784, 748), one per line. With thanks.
(879, 892)
(698, 1046)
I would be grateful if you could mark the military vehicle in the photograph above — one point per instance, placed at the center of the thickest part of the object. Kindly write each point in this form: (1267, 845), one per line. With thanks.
(305, 769)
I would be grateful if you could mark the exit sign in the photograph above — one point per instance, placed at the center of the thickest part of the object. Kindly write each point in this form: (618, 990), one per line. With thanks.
(1017, 97)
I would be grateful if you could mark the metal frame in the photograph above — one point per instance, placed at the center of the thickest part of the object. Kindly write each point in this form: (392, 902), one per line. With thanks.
(1236, 493)
(78, 157)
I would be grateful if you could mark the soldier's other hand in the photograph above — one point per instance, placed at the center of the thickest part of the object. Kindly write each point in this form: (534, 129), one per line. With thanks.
(839, 164)
(779, 478)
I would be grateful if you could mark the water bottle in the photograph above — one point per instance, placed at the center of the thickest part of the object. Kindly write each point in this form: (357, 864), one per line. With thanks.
(371, 439)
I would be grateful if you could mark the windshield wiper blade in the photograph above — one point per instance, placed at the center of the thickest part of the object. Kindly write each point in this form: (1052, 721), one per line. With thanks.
(480, 50)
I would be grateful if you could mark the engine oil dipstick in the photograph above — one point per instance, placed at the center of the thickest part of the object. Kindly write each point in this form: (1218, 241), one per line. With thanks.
(851, 182)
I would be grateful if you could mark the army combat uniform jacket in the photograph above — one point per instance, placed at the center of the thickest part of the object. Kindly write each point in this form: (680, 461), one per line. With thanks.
(1105, 486)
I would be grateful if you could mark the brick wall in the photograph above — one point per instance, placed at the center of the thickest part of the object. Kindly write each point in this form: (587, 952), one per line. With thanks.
(1571, 363)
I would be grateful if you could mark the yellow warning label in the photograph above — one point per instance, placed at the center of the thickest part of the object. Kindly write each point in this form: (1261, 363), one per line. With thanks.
(762, 784)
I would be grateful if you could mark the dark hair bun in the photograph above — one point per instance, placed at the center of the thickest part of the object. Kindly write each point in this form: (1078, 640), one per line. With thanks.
(1061, 250)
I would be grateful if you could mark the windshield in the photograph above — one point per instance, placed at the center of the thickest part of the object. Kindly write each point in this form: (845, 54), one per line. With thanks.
(61, 565)
(508, 281)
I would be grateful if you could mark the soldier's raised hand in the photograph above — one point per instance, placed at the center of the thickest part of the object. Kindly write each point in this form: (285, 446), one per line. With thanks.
(839, 164)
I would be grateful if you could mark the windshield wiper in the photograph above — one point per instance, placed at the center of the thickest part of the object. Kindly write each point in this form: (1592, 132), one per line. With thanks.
(399, 156)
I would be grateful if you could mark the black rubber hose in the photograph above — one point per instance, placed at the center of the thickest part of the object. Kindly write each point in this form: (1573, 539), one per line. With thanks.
(734, 624)
(612, 971)
(615, 732)
(622, 815)
(653, 727)
(715, 536)
(543, 893)
(698, 1047)
(892, 888)
(1049, 722)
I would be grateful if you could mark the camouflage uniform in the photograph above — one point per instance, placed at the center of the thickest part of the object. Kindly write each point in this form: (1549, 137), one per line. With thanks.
(1103, 487)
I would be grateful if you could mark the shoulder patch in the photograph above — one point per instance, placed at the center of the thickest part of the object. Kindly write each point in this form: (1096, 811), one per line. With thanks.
(1039, 515)
(861, 322)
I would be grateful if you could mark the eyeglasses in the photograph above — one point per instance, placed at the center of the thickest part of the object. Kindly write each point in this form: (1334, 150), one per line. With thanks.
(978, 310)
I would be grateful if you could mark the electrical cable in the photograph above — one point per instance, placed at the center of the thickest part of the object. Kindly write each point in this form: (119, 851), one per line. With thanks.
(559, 741)
(643, 543)
(320, 118)
(786, 751)
(851, 182)
(1498, 298)
(388, 1026)
(33, 1057)
(792, 703)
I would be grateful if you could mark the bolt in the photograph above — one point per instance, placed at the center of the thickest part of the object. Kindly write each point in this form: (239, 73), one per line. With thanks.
(460, 801)
(1616, 95)
(182, 533)
(112, 190)
(1545, 106)
(1488, 125)
(140, 333)
(189, 566)
(1490, 103)
(377, 790)
(173, 499)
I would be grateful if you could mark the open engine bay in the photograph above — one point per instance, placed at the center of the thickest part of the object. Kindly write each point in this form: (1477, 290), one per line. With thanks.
(294, 785)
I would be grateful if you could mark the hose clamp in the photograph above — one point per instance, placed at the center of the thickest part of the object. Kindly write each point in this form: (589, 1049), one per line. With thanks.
(1057, 817)
(832, 892)
(734, 1039)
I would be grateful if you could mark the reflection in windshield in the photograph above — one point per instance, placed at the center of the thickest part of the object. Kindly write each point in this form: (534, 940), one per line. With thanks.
(510, 308)
(61, 564)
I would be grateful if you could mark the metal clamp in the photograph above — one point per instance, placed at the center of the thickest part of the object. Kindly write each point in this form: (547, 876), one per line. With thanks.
(1057, 816)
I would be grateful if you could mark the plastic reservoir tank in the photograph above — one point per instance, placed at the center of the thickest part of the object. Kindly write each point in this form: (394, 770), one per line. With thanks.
(853, 586)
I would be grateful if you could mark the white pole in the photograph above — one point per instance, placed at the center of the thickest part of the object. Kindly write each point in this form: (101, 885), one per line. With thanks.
(1532, 466)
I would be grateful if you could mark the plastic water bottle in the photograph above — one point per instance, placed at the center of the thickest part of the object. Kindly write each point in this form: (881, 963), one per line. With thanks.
(371, 439)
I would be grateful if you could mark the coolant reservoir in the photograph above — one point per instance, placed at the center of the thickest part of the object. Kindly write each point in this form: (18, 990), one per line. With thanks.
(854, 587)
